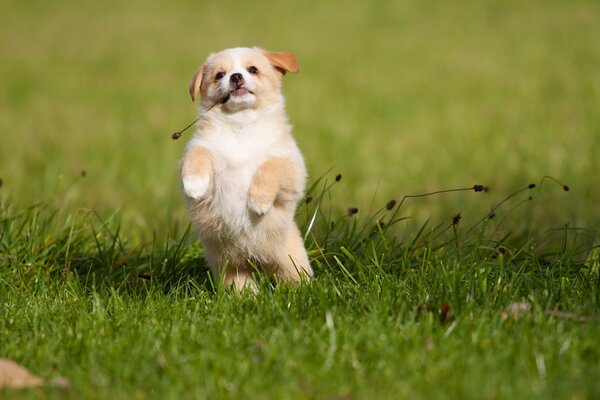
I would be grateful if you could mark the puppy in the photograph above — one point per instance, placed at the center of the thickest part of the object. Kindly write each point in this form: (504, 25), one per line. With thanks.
(242, 172)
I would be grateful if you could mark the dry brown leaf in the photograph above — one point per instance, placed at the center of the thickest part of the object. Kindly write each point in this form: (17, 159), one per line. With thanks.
(14, 376)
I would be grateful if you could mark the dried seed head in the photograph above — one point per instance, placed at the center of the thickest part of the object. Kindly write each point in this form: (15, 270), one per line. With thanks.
(83, 173)
(566, 188)
(456, 219)
(390, 204)
(491, 215)
(177, 135)
(308, 199)
(531, 186)
(338, 177)
(352, 210)
(145, 275)
(501, 250)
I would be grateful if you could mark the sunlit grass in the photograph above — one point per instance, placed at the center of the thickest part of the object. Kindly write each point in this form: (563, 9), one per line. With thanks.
(386, 314)
(101, 280)
(398, 97)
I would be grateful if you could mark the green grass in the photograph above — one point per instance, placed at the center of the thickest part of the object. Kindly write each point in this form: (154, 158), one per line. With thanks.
(426, 316)
(101, 281)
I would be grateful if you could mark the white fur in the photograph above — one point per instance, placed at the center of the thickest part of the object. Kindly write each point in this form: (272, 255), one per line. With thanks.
(239, 145)
(243, 102)
(195, 186)
(236, 136)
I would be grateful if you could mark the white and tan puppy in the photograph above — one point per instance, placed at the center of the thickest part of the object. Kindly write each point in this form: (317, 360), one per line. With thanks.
(242, 172)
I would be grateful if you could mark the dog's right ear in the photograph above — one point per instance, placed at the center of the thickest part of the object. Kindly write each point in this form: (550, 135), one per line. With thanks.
(196, 82)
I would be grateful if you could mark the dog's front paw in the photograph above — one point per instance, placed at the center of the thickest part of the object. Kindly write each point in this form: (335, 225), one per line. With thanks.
(195, 186)
(260, 203)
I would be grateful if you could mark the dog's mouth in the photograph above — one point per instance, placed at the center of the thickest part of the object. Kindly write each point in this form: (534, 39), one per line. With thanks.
(240, 91)
(236, 92)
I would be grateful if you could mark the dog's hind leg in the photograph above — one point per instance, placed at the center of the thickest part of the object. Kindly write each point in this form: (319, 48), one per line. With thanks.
(292, 261)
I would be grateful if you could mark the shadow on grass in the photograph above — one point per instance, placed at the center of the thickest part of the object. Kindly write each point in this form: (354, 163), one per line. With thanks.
(96, 250)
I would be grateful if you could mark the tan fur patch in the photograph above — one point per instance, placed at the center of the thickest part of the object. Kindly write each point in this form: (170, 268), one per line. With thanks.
(197, 161)
(196, 82)
(284, 61)
(274, 175)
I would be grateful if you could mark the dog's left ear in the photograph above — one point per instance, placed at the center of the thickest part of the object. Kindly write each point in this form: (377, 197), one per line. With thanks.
(196, 82)
(283, 61)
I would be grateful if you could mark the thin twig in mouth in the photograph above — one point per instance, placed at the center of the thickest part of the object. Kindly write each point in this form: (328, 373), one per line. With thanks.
(177, 135)
(225, 99)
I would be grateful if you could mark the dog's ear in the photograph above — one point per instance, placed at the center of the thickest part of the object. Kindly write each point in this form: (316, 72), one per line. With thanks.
(283, 61)
(196, 82)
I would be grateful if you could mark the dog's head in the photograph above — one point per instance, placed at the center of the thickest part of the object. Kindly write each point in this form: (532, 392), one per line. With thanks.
(241, 78)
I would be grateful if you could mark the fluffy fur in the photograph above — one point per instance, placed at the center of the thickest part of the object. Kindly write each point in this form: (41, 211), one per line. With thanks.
(242, 172)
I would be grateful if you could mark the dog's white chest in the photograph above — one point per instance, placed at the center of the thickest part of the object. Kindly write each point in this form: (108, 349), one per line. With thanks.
(229, 198)
(237, 154)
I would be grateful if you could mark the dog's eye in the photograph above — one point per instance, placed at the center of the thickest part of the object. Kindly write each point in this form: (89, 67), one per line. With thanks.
(220, 75)
(252, 69)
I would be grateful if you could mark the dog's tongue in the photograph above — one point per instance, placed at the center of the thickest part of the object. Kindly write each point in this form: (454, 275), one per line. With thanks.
(240, 92)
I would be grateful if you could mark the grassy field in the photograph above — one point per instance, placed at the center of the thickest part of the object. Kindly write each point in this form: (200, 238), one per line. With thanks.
(101, 281)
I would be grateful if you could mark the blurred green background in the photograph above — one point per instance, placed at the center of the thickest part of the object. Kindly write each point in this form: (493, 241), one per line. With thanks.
(401, 97)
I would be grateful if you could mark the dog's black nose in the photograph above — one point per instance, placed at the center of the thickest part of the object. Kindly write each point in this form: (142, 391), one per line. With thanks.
(236, 78)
